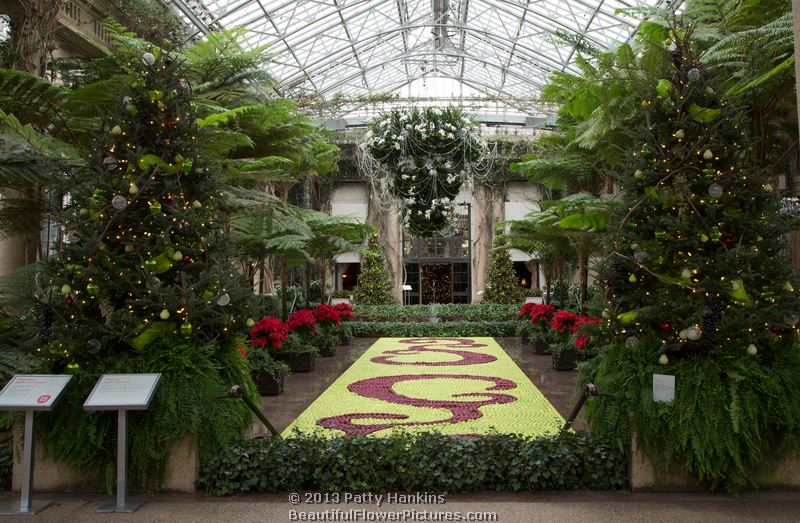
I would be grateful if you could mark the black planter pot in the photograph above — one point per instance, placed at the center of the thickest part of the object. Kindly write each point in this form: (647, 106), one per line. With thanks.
(299, 361)
(541, 347)
(565, 360)
(525, 339)
(327, 351)
(344, 339)
(267, 384)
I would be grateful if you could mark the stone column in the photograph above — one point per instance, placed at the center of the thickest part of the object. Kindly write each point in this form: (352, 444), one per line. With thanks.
(487, 210)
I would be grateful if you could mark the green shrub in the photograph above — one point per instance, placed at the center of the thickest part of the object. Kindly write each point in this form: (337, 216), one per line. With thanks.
(405, 462)
(728, 409)
(446, 312)
(370, 329)
(185, 404)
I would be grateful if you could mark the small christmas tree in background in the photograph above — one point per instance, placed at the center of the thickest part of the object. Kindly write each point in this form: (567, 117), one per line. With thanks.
(374, 281)
(502, 285)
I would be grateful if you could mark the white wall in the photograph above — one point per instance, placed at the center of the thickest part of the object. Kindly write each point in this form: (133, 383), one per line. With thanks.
(350, 199)
(521, 199)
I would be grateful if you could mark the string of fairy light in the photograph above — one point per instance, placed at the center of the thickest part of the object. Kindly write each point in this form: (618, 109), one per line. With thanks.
(145, 247)
(693, 265)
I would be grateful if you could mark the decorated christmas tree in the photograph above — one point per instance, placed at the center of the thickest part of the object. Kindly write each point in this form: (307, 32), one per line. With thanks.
(144, 255)
(502, 285)
(697, 287)
(374, 281)
(143, 282)
(699, 258)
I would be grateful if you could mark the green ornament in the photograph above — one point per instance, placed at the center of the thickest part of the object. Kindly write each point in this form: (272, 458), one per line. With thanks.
(661, 235)
(93, 289)
(150, 264)
(207, 295)
(66, 289)
(155, 207)
(715, 235)
(186, 329)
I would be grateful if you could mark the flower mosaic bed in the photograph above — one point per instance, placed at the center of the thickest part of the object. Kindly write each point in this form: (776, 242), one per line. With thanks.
(459, 386)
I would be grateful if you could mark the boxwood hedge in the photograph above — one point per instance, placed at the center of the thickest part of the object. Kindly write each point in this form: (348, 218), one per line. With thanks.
(406, 462)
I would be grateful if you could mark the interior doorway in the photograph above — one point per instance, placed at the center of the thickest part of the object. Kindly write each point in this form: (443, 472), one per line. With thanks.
(436, 282)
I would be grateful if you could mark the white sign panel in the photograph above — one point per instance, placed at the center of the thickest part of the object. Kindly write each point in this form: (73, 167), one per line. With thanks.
(663, 388)
(33, 391)
(122, 391)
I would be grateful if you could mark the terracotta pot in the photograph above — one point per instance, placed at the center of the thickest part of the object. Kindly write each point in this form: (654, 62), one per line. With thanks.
(267, 384)
(565, 360)
(299, 361)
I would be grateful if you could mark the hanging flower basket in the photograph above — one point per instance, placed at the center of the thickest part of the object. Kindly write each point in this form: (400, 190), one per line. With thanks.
(428, 154)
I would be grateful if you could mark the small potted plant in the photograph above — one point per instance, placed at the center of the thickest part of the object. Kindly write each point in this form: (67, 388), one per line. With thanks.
(346, 314)
(536, 326)
(328, 321)
(298, 354)
(565, 354)
(586, 331)
(268, 374)
(266, 337)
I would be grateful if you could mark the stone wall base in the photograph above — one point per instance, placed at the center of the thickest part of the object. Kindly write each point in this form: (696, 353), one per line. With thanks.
(183, 467)
(777, 471)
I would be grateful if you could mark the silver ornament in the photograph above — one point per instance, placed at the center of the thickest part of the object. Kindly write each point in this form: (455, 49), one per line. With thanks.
(223, 299)
(110, 163)
(632, 342)
(148, 59)
(693, 333)
(641, 256)
(119, 202)
(715, 190)
(693, 75)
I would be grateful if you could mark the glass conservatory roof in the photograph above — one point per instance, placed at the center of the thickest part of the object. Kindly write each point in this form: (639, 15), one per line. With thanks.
(502, 48)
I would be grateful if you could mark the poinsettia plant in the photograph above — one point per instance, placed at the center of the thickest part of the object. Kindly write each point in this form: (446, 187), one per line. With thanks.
(564, 322)
(303, 321)
(428, 154)
(269, 333)
(585, 332)
(345, 310)
(327, 314)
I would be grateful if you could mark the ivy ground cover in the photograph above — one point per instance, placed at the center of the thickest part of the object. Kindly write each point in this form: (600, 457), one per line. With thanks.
(458, 386)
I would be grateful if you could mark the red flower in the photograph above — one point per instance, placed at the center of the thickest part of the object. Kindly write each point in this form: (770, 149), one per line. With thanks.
(345, 310)
(526, 309)
(269, 331)
(564, 321)
(327, 314)
(242, 350)
(542, 313)
(302, 319)
(583, 328)
(581, 341)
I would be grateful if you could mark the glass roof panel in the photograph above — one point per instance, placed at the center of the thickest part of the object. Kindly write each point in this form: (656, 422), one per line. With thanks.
(360, 48)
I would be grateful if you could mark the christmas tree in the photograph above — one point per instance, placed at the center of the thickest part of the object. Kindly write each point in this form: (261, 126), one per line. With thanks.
(144, 254)
(143, 282)
(697, 287)
(374, 281)
(698, 259)
(502, 285)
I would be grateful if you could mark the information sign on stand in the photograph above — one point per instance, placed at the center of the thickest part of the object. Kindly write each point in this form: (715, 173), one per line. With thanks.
(122, 392)
(29, 393)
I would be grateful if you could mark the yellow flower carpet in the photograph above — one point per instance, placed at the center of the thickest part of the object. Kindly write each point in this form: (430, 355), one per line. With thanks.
(460, 386)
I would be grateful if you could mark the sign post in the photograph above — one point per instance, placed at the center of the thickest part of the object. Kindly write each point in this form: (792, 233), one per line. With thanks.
(122, 392)
(30, 392)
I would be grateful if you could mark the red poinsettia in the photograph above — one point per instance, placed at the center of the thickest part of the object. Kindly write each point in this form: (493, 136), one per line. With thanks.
(542, 313)
(327, 314)
(526, 309)
(583, 328)
(345, 310)
(302, 320)
(564, 321)
(269, 332)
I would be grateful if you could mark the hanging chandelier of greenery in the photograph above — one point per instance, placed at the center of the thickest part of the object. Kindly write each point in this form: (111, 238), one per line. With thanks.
(428, 154)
